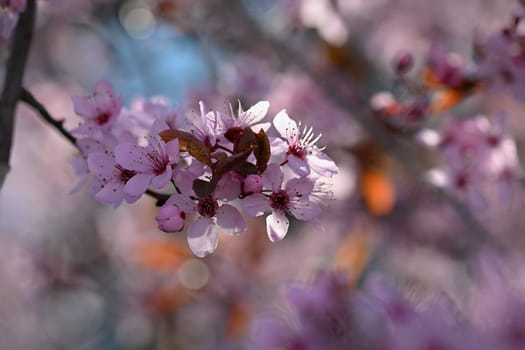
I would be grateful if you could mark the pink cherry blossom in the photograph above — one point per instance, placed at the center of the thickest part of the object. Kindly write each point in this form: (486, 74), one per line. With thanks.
(152, 164)
(299, 150)
(212, 213)
(99, 110)
(111, 178)
(293, 199)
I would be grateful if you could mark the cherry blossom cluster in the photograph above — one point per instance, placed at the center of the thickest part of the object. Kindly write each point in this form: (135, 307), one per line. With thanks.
(9, 12)
(212, 162)
(478, 153)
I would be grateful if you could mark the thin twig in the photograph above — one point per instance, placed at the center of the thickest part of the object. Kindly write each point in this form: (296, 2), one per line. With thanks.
(31, 101)
(13, 83)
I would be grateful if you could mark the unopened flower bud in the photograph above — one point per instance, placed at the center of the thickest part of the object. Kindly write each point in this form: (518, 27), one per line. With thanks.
(170, 218)
(403, 62)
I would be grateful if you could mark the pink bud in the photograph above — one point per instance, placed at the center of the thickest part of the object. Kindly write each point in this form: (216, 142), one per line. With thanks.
(252, 184)
(403, 62)
(170, 218)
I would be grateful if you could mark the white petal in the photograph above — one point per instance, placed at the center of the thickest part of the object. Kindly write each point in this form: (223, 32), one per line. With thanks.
(277, 226)
(305, 210)
(299, 187)
(256, 204)
(202, 237)
(255, 113)
(298, 165)
(286, 127)
(273, 177)
(230, 219)
(322, 164)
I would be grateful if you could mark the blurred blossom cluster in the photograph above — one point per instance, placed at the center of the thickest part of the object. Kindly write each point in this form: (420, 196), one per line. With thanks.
(189, 122)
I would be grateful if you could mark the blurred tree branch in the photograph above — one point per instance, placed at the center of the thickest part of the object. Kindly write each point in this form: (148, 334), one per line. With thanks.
(15, 67)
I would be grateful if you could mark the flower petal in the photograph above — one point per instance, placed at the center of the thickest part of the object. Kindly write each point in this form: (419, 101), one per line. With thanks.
(172, 150)
(286, 127)
(305, 210)
(256, 204)
(322, 164)
(138, 184)
(299, 187)
(133, 157)
(273, 177)
(277, 226)
(202, 237)
(229, 218)
(254, 114)
(298, 165)
(161, 180)
(101, 165)
(111, 193)
(84, 106)
(183, 202)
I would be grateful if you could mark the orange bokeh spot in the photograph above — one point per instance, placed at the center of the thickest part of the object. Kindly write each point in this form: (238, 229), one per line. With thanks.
(378, 192)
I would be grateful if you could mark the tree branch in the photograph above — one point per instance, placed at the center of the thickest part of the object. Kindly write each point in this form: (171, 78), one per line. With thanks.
(15, 68)
(30, 100)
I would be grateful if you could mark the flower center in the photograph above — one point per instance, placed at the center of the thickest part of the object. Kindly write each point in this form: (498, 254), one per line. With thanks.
(280, 200)
(207, 206)
(102, 118)
(125, 174)
(298, 151)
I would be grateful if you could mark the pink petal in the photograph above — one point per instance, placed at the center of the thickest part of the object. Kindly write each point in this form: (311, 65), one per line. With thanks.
(202, 237)
(133, 157)
(256, 204)
(172, 149)
(84, 107)
(273, 177)
(111, 193)
(138, 184)
(286, 127)
(101, 165)
(161, 180)
(229, 218)
(228, 188)
(183, 202)
(257, 127)
(298, 165)
(305, 210)
(277, 226)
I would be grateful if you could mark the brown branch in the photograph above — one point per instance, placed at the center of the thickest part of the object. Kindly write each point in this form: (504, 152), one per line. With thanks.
(30, 100)
(15, 68)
